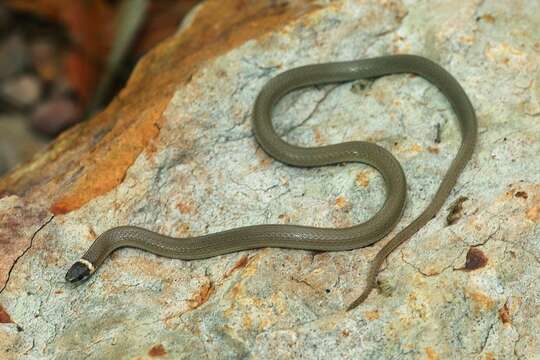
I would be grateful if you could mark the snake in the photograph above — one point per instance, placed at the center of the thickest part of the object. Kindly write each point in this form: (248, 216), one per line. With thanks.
(290, 236)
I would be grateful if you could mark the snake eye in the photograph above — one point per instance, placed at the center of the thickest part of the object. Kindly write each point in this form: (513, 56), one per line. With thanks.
(78, 272)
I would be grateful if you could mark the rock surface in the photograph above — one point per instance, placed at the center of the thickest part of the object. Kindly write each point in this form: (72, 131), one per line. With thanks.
(175, 153)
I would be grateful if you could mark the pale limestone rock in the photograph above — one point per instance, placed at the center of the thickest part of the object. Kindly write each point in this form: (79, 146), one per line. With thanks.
(207, 174)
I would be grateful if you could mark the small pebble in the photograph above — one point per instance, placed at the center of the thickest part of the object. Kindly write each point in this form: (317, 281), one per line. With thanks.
(13, 56)
(56, 114)
(23, 90)
(45, 59)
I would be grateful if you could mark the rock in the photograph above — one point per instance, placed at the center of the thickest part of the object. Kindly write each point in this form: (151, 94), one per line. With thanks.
(13, 56)
(23, 90)
(175, 153)
(56, 114)
(46, 60)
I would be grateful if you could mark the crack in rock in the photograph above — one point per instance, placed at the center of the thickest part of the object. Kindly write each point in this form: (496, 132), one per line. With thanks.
(24, 252)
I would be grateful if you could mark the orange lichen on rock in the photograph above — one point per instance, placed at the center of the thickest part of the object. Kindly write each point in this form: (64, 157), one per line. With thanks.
(242, 262)
(110, 161)
(341, 202)
(481, 300)
(504, 314)
(157, 350)
(533, 213)
(488, 18)
(92, 158)
(431, 354)
(531, 197)
(184, 208)
(4, 316)
(362, 178)
(201, 296)
(372, 315)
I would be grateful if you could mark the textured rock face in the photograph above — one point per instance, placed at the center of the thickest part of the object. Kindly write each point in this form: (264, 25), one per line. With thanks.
(175, 154)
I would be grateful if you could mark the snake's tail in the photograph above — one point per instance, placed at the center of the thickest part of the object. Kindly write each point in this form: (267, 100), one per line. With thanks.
(361, 298)
(386, 250)
(370, 285)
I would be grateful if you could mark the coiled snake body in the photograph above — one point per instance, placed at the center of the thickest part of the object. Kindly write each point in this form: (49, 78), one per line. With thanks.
(305, 237)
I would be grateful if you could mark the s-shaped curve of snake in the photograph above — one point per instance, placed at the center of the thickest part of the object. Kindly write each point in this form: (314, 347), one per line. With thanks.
(306, 237)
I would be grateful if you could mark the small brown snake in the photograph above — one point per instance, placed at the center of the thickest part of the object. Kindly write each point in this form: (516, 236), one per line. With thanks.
(306, 237)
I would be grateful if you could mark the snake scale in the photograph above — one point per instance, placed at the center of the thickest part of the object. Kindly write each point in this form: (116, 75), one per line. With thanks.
(306, 237)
